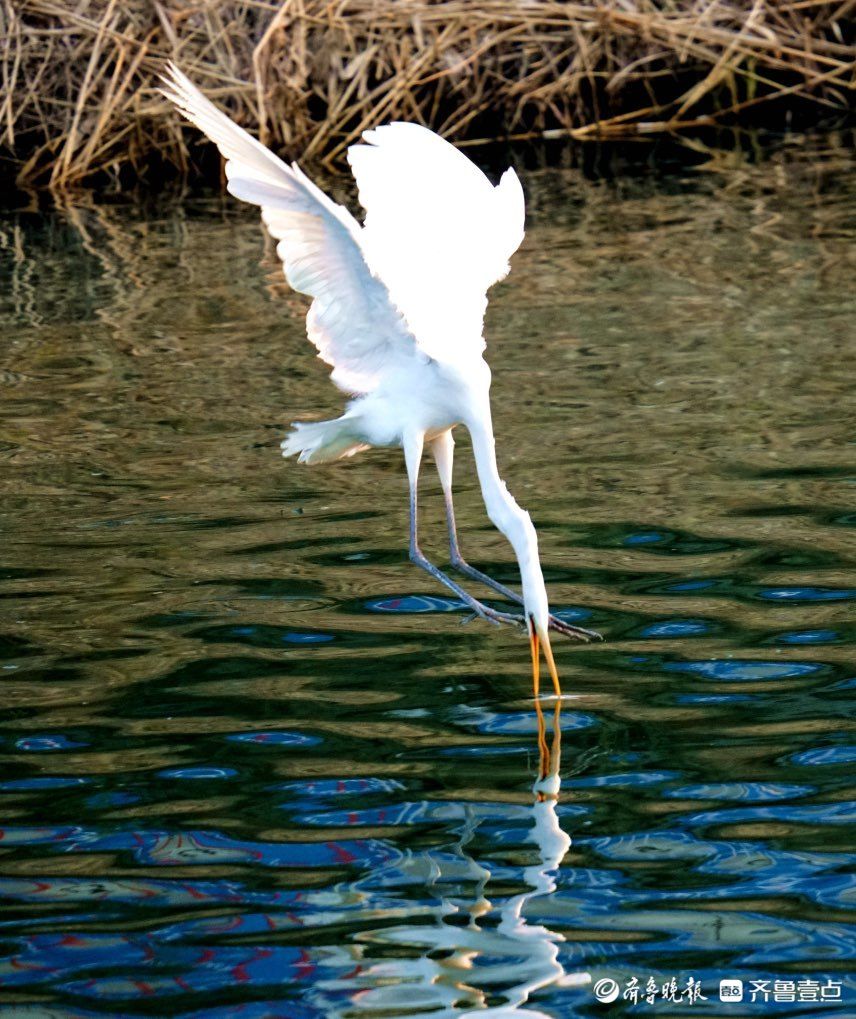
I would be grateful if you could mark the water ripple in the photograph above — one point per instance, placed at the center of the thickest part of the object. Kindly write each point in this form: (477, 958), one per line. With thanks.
(252, 764)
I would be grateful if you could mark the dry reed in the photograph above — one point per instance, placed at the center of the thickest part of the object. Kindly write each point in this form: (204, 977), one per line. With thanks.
(79, 81)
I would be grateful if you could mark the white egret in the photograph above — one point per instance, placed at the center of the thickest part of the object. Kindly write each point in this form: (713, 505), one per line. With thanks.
(397, 311)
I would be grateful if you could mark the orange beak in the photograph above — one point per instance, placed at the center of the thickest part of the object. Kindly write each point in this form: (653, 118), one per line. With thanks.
(537, 641)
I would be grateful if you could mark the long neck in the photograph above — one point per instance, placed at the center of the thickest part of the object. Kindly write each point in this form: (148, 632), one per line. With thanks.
(514, 522)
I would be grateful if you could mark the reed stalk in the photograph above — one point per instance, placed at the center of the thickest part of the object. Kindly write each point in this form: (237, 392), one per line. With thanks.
(79, 95)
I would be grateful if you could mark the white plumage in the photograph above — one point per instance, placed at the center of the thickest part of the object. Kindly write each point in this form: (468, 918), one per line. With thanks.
(435, 227)
(397, 312)
(351, 321)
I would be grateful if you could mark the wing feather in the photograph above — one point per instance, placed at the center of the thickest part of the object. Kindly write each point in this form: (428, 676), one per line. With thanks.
(352, 320)
(436, 231)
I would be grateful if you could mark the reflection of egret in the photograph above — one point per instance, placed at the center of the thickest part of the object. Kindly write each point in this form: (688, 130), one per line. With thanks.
(466, 961)
(397, 311)
(552, 844)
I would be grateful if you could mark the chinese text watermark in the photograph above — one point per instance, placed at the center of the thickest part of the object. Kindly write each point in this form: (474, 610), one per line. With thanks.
(730, 989)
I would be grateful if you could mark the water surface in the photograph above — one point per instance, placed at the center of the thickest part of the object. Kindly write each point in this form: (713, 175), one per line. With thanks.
(253, 764)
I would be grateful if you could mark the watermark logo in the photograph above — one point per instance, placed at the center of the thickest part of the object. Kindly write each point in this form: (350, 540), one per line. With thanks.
(606, 990)
(731, 990)
(788, 991)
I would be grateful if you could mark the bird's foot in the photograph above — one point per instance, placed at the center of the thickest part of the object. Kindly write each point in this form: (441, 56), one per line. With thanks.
(559, 625)
(575, 632)
(495, 618)
(492, 616)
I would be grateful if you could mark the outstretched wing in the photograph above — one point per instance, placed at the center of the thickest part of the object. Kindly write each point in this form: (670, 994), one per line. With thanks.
(352, 320)
(436, 231)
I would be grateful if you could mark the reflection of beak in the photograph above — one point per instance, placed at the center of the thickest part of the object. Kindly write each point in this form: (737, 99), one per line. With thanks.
(538, 636)
(550, 758)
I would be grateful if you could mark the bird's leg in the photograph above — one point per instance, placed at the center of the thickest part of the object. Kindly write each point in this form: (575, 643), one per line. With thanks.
(443, 448)
(413, 457)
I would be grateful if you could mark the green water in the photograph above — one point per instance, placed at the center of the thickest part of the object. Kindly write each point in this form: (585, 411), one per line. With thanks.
(253, 765)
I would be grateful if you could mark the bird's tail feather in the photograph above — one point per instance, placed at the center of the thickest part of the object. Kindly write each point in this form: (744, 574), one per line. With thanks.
(321, 441)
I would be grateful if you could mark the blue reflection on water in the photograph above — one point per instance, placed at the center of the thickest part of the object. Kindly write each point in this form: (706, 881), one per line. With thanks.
(307, 638)
(825, 756)
(114, 798)
(738, 791)
(808, 637)
(43, 782)
(277, 739)
(183, 958)
(648, 538)
(824, 813)
(515, 722)
(691, 585)
(163, 848)
(715, 698)
(197, 773)
(806, 594)
(730, 670)
(655, 778)
(676, 628)
(415, 603)
(572, 615)
(333, 788)
(54, 741)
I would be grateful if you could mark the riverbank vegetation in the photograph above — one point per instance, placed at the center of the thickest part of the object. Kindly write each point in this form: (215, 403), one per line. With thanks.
(79, 98)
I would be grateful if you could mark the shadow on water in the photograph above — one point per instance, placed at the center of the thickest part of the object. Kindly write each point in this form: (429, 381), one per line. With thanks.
(251, 763)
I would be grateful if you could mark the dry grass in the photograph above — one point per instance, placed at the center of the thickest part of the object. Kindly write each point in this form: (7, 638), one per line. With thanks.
(79, 91)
